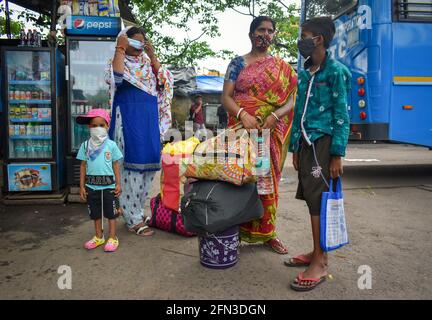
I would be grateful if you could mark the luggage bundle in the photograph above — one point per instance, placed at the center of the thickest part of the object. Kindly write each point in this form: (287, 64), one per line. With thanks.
(220, 193)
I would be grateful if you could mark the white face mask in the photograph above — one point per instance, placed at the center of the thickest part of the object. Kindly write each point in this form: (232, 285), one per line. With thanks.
(98, 135)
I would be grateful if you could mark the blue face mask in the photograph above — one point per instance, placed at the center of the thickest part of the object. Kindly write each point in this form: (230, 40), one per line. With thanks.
(136, 44)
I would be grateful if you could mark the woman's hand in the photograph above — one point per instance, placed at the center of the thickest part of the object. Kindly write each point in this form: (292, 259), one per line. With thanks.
(148, 48)
(123, 41)
(270, 123)
(248, 121)
(336, 167)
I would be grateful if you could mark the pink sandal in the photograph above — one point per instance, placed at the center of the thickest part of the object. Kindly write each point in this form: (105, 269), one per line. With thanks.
(111, 245)
(94, 243)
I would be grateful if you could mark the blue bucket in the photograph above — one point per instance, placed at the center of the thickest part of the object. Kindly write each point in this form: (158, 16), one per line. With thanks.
(220, 251)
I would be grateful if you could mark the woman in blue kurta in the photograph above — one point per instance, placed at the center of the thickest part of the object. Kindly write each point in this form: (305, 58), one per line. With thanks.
(141, 94)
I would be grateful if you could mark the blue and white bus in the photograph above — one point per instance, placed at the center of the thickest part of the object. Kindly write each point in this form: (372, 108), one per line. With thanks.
(387, 45)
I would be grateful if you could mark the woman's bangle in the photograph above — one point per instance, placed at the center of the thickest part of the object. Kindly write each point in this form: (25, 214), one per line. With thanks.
(274, 115)
(239, 112)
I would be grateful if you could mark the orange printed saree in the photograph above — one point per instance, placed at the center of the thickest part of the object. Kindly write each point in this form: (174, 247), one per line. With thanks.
(262, 88)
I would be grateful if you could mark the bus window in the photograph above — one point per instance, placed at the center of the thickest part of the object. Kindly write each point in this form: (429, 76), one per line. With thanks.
(414, 10)
(332, 8)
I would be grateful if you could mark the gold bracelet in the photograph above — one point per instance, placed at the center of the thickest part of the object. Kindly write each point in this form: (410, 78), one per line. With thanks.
(274, 115)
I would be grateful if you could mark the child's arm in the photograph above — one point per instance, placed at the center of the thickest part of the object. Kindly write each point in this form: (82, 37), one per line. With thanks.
(340, 121)
(83, 192)
(116, 167)
(294, 136)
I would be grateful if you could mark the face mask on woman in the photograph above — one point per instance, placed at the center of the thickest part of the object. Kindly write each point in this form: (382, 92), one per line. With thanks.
(135, 44)
(306, 47)
(98, 135)
(262, 41)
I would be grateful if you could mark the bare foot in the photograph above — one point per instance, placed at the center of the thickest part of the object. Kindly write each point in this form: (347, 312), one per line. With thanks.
(277, 246)
(301, 260)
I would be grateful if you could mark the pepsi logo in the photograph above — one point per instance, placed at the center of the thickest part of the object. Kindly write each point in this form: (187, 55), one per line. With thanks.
(79, 23)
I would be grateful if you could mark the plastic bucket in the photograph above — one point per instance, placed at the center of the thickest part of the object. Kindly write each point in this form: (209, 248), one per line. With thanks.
(220, 251)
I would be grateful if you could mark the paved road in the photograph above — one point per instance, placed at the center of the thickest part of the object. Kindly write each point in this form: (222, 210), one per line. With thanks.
(388, 204)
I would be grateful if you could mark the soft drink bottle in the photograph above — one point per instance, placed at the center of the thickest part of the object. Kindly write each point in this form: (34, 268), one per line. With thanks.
(39, 39)
(29, 38)
(31, 149)
(23, 149)
(22, 37)
(17, 148)
(49, 149)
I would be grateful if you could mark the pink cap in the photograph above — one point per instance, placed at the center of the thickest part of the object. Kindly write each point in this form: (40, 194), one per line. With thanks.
(93, 114)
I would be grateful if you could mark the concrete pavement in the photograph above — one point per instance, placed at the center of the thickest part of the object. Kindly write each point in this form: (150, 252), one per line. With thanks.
(388, 206)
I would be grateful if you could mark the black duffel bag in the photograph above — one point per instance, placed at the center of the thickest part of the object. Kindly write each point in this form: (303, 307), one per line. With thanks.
(214, 206)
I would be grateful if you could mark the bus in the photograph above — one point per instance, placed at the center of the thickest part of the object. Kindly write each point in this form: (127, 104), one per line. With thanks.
(387, 45)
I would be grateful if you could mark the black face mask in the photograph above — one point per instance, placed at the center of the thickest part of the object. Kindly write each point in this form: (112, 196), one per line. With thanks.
(306, 47)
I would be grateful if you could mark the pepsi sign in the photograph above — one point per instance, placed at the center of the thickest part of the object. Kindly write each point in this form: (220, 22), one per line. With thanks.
(92, 25)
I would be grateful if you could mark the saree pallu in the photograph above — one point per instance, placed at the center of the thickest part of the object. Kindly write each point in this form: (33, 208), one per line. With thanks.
(261, 88)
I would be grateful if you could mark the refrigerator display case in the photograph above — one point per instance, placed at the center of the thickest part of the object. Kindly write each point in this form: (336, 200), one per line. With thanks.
(33, 80)
(87, 89)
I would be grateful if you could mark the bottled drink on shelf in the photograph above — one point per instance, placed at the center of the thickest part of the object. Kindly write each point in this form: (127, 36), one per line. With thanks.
(38, 39)
(49, 149)
(30, 129)
(29, 37)
(37, 149)
(31, 149)
(21, 150)
(23, 37)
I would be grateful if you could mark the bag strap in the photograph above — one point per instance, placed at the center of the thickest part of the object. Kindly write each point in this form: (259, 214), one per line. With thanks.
(154, 211)
(339, 185)
(173, 221)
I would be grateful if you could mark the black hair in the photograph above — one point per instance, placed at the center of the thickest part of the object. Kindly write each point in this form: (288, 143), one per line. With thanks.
(321, 26)
(257, 22)
(135, 30)
(196, 97)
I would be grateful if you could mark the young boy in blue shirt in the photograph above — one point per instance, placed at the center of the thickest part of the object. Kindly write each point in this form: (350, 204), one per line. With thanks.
(319, 136)
(100, 177)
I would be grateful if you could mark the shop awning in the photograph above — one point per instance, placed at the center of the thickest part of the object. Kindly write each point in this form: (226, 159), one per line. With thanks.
(45, 7)
(209, 85)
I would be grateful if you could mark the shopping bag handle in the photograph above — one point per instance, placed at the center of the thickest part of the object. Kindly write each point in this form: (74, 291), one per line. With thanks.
(338, 185)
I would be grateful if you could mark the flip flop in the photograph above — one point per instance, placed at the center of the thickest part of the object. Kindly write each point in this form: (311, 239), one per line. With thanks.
(303, 261)
(143, 231)
(277, 246)
(306, 284)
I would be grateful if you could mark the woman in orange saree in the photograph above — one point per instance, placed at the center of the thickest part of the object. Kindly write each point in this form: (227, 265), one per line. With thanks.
(259, 85)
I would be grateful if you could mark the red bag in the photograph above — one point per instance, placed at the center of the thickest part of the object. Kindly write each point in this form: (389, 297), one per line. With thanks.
(166, 219)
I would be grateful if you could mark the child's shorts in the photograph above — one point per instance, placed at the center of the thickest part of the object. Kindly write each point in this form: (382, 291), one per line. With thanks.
(310, 188)
(95, 198)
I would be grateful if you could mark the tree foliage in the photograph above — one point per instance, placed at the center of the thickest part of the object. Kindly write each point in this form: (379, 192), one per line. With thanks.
(327, 7)
(34, 20)
(177, 14)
